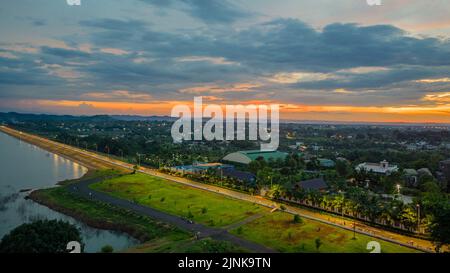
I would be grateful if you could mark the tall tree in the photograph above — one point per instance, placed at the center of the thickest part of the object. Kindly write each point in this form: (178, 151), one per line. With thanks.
(43, 236)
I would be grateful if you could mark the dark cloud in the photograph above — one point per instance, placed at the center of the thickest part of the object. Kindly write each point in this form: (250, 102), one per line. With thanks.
(208, 11)
(159, 61)
(115, 24)
(24, 71)
(64, 53)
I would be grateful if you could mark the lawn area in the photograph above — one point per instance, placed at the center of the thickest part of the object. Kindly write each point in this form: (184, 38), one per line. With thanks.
(105, 216)
(206, 245)
(157, 237)
(278, 231)
(201, 206)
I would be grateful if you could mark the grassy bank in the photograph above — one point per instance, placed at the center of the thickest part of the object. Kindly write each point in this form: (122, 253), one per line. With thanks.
(155, 236)
(104, 216)
(201, 206)
(279, 231)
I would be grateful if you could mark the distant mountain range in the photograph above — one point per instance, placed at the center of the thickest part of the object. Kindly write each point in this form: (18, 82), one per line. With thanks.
(17, 117)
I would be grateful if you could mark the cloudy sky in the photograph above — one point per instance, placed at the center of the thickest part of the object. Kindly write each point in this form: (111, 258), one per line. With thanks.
(319, 59)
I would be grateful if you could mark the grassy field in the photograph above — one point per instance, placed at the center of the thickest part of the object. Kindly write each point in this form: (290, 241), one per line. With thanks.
(206, 245)
(105, 216)
(201, 206)
(278, 231)
(157, 237)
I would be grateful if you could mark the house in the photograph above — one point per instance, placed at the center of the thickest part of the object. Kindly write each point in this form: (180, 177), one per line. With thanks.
(316, 184)
(379, 168)
(245, 157)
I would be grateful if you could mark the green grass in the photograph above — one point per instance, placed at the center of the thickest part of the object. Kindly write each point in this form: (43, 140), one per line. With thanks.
(158, 237)
(278, 231)
(106, 216)
(207, 245)
(201, 206)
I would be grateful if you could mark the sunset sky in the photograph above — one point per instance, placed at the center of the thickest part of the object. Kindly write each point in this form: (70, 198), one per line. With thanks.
(319, 59)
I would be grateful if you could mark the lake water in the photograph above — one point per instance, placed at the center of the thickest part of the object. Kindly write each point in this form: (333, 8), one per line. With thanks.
(25, 166)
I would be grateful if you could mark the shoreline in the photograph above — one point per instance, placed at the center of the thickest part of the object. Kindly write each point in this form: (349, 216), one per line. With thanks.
(38, 196)
(58, 148)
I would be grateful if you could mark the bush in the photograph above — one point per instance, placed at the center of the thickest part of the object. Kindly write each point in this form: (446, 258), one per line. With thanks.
(162, 199)
(239, 230)
(318, 243)
(297, 219)
(204, 210)
(107, 249)
(190, 215)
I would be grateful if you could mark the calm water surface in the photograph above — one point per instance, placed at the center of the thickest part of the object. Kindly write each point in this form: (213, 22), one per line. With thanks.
(25, 166)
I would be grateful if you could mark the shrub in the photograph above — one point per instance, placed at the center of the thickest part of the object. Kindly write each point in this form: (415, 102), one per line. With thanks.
(107, 249)
(297, 219)
(318, 243)
(190, 215)
(239, 230)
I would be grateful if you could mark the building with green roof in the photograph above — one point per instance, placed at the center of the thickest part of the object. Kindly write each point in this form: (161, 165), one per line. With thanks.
(245, 157)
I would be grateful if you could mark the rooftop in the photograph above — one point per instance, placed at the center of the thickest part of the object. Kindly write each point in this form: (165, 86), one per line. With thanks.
(245, 157)
(312, 184)
(382, 168)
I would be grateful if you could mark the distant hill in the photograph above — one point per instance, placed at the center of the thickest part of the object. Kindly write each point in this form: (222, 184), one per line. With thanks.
(18, 117)
(143, 118)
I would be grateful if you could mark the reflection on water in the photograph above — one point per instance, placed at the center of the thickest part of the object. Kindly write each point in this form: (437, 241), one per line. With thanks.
(25, 166)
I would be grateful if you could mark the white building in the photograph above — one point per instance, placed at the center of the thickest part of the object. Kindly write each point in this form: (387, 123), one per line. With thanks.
(380, 168)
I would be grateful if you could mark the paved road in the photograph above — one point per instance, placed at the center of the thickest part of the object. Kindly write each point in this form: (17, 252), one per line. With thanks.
(327, 219)
(82, 189)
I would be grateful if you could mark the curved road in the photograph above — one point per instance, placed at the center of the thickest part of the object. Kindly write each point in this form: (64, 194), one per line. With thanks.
(82, 189)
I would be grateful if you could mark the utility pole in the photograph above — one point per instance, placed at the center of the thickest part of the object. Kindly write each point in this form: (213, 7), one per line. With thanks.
(418, 218)
(139, 158)
(354, 229)
(342, 206)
